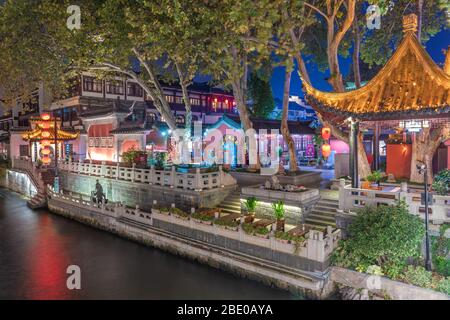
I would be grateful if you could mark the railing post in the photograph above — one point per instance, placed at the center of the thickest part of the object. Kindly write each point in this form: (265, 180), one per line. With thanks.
(404, 192)
(117, 171)
(152, 175)
(198, 180)
(133, 168)
(173, 177)
(90, 166)
(341, 194)
(102, 169)
(220, 176)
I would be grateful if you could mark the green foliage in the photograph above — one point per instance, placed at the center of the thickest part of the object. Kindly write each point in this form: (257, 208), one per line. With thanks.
(375, 270)
(250, 204)
(260, 92)
(385, 236)
(179, 212)
(227, 223)
(418, 276)
(444, 285)
(161, 159)
(131, 155)
(441, 251)
(278, 209)
(441, 182)
(375, 176)
(202, 217)
(248, 228)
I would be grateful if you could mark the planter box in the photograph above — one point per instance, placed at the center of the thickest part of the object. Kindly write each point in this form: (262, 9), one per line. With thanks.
(181, 217)
(207, 222)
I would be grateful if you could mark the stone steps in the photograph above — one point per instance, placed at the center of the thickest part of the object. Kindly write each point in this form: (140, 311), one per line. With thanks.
(323, 213)
(232, 203)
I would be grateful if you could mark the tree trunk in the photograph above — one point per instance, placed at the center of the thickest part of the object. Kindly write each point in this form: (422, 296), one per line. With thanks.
(356, 49)
(335, 79)
(424, 145)
(419, 19)
(188, 116)
(293, 167)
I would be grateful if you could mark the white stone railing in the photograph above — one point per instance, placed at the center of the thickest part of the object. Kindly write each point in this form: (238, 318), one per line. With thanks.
(197, 180)
(29, 167)
(317, 246)
(351, 199)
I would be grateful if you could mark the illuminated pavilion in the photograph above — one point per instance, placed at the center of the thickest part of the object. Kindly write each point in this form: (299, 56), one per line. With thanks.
(411, 93)
(43, 138)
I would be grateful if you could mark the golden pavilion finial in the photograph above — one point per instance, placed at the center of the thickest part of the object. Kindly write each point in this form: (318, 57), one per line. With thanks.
(410, 23)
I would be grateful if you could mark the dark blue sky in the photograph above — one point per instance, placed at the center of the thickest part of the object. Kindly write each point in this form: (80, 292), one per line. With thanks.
(434, 47)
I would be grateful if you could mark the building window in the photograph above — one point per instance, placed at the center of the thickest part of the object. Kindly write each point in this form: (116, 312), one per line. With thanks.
(114, 87)
(23, 150)
(194, 101)
(170, 99)
(134, 90)
(92, 85)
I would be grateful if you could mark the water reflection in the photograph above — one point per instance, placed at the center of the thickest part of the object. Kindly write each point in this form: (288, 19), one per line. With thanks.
(37, 247)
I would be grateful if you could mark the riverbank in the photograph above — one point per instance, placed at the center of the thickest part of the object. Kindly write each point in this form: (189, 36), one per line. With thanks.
(243, 265)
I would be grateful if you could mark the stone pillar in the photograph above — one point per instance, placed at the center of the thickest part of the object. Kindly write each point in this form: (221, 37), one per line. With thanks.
(152, 175)
(354, 130)
(173, 177)
(198, 180)
(341, 194)
(376, 147)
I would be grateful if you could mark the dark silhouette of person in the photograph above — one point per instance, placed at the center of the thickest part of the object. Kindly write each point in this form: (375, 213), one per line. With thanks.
(99, 192)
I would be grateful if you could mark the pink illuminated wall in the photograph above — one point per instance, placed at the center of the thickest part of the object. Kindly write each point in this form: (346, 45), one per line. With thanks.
(339, 146)
(100, 153)
(447, 143)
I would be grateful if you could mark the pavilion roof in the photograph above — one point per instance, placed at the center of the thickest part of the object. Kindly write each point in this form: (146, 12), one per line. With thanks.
(410, 84)
(36, 135)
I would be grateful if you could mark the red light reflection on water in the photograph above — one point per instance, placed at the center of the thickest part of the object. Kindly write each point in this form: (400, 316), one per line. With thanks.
(47, 263)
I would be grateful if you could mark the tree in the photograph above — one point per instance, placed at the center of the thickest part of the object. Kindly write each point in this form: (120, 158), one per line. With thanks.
(260, 93)
(293, 166)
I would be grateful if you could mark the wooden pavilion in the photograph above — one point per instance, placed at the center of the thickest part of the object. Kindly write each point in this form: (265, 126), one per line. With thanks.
(410, 88)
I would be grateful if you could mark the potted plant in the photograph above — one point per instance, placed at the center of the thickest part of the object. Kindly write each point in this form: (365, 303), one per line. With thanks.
(375, 177)
(250, 204)
(278, 210)
(262, 232)
(202, 218)
(441, 183)
(227, 224)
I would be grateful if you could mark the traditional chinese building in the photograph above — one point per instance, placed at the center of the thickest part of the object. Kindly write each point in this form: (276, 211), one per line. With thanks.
(411, 95)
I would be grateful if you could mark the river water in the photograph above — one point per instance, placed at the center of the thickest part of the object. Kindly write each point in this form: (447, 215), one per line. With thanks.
(36, 247)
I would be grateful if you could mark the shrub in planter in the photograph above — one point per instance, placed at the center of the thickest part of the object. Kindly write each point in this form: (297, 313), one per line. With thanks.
(248, 228)
(385, 236)
(202, 217)
(250, 205)
(262, 232)
(444, 285)
(375, 177)
(227, 223)
(278, 211)
(179, 213)
(163, 210)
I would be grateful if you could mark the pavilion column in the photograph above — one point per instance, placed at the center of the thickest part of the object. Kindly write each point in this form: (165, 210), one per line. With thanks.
(376, 147)
(354, 130)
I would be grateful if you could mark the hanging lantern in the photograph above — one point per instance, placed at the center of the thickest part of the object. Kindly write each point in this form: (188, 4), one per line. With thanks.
(46, 160)
(45, 143)
(326, 133)
(44, 125)
(326, 150)
(45, 134)
(46, 151)
(45, 117)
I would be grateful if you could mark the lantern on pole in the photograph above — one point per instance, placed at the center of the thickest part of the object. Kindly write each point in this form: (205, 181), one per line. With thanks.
(45, 117)
(45, 134)
(326, 133)
(46, 160)
(326, 150)
(45, 143)
(46, 151)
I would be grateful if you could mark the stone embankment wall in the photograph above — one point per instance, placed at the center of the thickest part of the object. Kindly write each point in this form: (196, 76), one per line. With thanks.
(144, 195)
(243, 265)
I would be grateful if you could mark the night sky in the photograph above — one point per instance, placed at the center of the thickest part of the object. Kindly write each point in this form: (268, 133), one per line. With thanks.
(434, 47)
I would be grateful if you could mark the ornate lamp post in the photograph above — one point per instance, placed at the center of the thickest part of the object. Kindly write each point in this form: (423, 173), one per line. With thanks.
(423, 169)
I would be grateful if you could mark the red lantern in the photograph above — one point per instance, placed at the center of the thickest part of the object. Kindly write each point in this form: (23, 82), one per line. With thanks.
(46, 160)
(45, 125)
(45, 134)
(45, 143)
(45, 117)
(326, 150)
(45, 151)
(326, 133)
